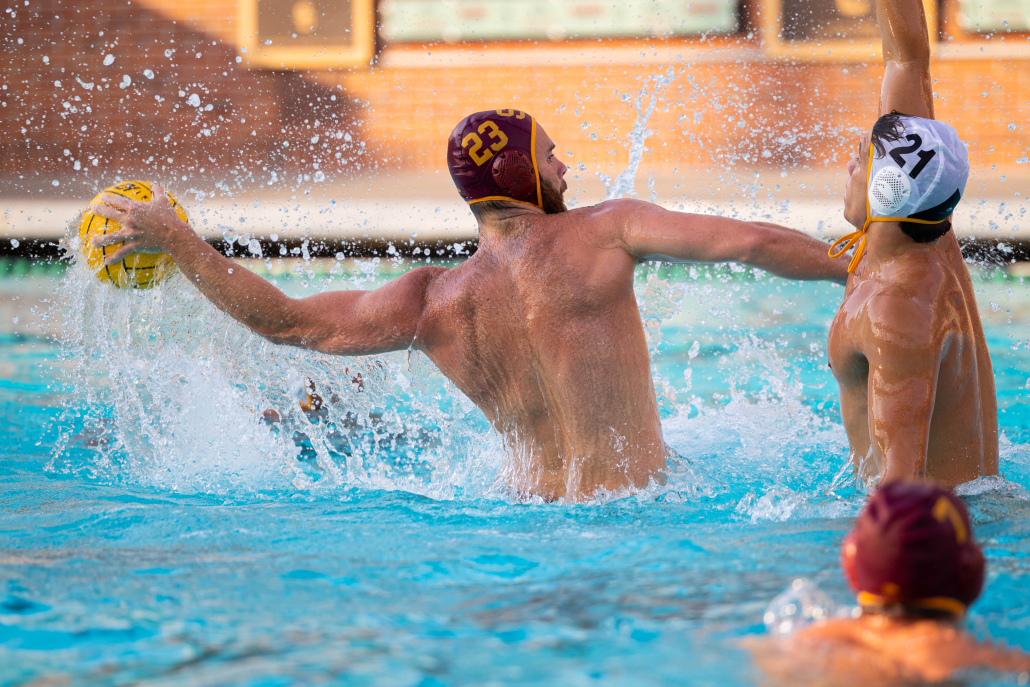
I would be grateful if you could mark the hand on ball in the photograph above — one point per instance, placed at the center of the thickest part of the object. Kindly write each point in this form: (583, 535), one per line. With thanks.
(146, 227)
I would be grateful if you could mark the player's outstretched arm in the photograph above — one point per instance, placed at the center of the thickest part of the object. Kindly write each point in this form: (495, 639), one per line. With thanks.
(339, 322)
(649, 232)
(907, 87)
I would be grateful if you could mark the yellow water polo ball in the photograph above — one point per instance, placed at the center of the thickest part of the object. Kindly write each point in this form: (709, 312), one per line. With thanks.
(139, 270)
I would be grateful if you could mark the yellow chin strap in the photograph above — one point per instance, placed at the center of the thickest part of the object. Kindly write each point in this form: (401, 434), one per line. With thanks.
(858, 237)
(944, 604)
(852, 238)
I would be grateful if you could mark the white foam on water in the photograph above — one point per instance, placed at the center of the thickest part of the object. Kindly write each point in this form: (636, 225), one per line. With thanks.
(173, 393)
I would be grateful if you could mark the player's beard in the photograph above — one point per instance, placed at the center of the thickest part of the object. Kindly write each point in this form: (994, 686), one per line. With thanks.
(552, 197)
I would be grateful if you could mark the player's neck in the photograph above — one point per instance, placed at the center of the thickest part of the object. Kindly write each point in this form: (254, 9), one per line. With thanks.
(886, 241)
(501, 224)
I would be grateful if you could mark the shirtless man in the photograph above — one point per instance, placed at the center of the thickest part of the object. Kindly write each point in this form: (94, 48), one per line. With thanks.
(907, 347)
(915, 565)
(539, 328)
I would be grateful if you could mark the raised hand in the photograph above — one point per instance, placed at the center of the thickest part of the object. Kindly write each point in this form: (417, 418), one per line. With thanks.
(146, 227)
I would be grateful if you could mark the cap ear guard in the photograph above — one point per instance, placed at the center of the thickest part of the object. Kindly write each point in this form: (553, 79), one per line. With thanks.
(889, 190)
(513, 171)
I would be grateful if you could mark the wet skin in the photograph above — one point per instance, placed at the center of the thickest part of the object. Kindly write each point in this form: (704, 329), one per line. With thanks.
(877, 650)
(907, 347)
(539, 328)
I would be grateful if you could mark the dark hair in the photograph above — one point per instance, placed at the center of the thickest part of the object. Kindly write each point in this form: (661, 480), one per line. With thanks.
(488, 207)
(890, 128)
(925, 233)
(887, 128)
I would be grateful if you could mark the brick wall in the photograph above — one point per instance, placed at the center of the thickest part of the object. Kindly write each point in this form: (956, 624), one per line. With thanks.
(719, 115)
(67, 113)
(247, 124)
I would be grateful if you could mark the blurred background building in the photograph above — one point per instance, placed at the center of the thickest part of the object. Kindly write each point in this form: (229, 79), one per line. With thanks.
(756, 100)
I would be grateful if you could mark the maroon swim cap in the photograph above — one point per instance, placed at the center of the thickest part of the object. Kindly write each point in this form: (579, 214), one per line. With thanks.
(492, 156)
(913, 545)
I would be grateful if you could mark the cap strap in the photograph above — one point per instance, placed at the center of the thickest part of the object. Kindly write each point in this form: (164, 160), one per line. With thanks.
(851, 239)
(945, 604)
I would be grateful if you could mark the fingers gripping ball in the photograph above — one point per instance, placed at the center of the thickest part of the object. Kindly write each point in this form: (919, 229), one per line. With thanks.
(139, 270)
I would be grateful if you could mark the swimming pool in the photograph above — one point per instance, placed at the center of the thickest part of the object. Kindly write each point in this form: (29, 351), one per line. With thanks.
(157, 529)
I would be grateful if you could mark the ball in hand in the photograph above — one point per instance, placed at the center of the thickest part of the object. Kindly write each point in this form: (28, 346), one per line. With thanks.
(139, 270)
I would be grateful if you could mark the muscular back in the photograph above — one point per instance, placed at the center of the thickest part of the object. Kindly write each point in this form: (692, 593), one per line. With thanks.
(541, 330)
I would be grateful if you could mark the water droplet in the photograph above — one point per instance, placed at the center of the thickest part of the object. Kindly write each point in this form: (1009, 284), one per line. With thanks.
(148, 73)
(55, 182)
(15, 243)
(1012, 126)
(109, 60)
(193, 100)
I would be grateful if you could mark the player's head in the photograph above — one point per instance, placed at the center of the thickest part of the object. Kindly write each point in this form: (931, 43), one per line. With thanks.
(912, 550)
(501, 158)
(908, 169)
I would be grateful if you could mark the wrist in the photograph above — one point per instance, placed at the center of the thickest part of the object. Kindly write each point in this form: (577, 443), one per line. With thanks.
(177, 237)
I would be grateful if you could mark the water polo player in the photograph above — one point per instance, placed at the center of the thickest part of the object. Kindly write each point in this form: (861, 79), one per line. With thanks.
(915, 565)
(907, 347)
(540, 327)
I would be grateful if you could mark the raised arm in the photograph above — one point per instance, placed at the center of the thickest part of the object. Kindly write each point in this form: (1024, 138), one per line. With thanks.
(649, 232)
(339, 322)
(907, 87)
(902, 384)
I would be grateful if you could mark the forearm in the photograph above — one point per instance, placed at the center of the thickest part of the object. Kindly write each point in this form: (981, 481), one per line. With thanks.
(654, 233)
(245, 296)
(907, 87)
(903, 31)
(792, 254)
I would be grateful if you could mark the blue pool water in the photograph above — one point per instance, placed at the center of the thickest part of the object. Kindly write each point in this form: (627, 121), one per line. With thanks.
(156, 530)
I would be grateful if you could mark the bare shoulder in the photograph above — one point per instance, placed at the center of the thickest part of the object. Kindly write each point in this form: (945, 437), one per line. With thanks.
(425, 279)
(606, 222)
(839, 629)
(901, 302)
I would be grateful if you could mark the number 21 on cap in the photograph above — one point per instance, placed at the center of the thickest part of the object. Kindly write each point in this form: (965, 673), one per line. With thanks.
(476, 152)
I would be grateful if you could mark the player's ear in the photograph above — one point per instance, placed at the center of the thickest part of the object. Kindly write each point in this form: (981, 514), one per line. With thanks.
(848, 557)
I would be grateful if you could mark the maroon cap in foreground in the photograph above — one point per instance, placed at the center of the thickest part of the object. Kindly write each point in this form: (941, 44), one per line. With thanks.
(492, 156)
(913, 545)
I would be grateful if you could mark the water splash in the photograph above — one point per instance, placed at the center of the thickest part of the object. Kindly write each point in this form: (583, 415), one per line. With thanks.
(170, 392)
(625, 183)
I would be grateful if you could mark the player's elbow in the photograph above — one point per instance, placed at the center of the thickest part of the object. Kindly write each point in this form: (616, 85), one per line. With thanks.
(286, 325)
(752, 245)
(283, 334)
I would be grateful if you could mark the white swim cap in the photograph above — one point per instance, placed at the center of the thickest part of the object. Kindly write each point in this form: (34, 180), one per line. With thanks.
(922, 175)
(920, 178)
